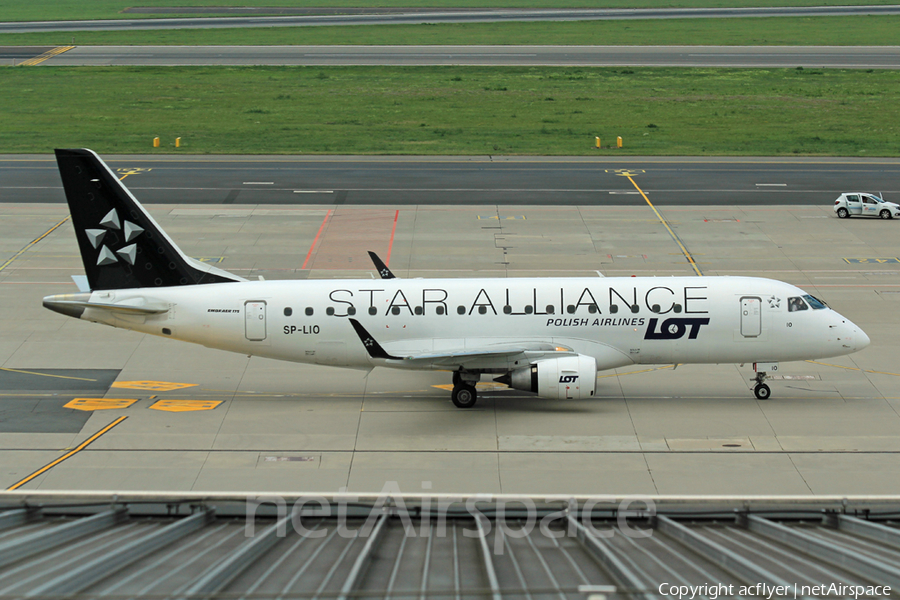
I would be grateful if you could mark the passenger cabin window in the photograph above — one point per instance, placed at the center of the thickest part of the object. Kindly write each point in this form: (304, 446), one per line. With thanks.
(868, 200)
(796, 303)
(815, 302)
(853, 198)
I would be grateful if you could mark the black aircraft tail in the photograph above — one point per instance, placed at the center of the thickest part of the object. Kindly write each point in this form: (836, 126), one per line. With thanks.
(121, 245)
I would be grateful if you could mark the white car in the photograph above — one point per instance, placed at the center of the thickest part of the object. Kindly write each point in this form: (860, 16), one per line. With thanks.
(867, 205)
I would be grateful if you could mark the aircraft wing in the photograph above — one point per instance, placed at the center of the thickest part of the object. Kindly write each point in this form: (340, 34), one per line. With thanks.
(495, 355)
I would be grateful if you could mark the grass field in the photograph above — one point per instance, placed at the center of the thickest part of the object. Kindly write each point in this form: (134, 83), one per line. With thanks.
(452, 110)
(782, 31)
(55, 10)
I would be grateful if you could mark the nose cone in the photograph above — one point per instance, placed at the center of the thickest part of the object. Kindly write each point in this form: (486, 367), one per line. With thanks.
(852, 337)
(862, 340)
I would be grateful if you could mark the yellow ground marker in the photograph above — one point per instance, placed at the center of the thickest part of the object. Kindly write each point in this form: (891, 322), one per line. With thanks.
(81, 447)
(99, 403)
(153, 386)
(48, 54)
(33, 242)
(185, 405)
(45, 374)
(815, 362)
(675, 237)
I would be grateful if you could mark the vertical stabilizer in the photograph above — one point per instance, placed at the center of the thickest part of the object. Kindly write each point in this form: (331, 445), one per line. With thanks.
(121, 245)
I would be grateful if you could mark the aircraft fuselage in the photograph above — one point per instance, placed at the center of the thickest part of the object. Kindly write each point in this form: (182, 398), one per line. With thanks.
(618, 321)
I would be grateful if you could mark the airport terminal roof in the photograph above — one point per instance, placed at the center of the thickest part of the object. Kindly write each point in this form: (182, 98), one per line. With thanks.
(206, 546)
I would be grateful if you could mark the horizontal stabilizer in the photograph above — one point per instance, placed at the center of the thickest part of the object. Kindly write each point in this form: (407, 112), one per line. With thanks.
(82, 282)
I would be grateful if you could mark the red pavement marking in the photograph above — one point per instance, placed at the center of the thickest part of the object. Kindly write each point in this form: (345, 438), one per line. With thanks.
(350, 234)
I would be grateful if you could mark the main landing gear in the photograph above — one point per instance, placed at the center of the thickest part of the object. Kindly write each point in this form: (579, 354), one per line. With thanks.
(464, 394)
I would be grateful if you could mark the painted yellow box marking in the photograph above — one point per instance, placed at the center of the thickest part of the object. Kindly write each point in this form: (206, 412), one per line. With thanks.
(872, 261)
(99, 403)
(153, 386)
(185, 405)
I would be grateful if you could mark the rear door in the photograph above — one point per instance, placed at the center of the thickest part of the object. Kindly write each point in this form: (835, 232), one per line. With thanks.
(854, 206)
(255, 320)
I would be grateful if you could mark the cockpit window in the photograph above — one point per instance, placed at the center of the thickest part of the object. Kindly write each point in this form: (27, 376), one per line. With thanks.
(796, 303)
(815, 302)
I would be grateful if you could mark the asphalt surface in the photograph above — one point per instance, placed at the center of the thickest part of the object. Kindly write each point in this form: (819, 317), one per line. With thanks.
(863, 57)
(446, 16)
(557, 181)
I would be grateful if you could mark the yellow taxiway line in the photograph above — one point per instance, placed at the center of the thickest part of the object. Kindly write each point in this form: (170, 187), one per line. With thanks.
(815, 362)
(81, 447)
(33, 242)
(45, 374)
(678, 241)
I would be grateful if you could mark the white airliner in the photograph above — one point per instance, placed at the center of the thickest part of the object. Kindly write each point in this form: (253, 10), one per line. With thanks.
(548, 336)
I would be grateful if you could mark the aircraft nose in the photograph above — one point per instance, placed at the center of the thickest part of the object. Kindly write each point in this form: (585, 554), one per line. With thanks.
(854, 338)
(862, 340)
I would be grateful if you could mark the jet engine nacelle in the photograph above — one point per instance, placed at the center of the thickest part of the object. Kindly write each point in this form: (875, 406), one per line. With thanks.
(569, 377)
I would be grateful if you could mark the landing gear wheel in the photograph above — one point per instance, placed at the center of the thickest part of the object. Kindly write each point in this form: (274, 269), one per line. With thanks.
(885, 214)
(762, 391)
(464, 396)
(843, 213)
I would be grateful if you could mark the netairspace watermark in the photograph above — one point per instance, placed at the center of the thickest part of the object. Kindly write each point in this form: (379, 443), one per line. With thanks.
(504, 517)
(765, 590)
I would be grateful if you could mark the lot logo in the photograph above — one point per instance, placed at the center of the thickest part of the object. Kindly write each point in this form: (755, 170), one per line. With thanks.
(568, 378)
(674, 328)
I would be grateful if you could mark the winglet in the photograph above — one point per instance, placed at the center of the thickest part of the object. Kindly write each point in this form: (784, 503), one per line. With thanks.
(372, 346)
(382, 268)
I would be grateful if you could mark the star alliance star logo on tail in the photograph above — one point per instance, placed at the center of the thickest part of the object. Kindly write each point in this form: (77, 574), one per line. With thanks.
(111, 222)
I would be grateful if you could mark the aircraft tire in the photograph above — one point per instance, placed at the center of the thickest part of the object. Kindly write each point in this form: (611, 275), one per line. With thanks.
(762, 391)
(843, 213)
(464, 396)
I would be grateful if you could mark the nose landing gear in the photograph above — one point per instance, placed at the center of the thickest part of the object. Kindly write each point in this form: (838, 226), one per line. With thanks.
(761, 390)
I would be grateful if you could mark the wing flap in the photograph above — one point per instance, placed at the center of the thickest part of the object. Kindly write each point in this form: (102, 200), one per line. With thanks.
(491, 356)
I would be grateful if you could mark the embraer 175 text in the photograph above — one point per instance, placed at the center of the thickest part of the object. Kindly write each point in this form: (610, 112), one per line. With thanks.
(548, 336)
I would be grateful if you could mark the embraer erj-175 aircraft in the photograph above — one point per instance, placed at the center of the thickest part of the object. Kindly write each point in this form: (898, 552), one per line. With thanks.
(548, 336)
